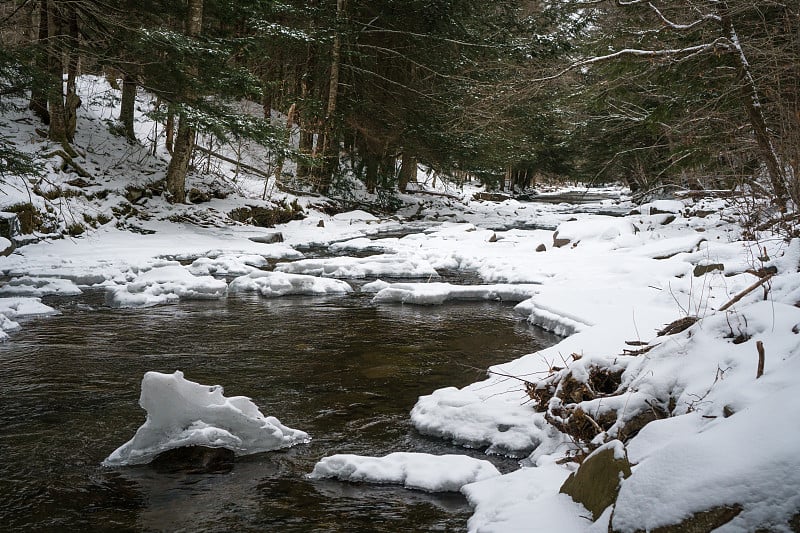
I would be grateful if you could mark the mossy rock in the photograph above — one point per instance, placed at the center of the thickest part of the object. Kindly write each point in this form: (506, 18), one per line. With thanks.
(596, 482)
(702, 522)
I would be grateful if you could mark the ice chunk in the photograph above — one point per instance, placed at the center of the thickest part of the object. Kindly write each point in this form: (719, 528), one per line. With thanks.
(17, 307)
(271, 284)
(432, 473)
(184, 413)
(163, 285)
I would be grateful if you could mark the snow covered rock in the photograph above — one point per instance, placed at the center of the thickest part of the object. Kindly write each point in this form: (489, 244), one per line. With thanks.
(602, 228)
(184, 413)
(165, 284)
(432, 473)
(273, 284)
(36, 286)
(391, 265)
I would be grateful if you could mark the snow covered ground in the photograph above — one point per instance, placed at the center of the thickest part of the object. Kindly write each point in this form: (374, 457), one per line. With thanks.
(700, 429)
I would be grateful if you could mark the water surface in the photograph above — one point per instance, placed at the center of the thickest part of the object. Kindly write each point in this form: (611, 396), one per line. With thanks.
(344, 370)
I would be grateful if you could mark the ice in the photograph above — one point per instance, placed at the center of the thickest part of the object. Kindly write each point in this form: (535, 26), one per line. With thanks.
(184, 413)
(399, 266)
(273, 284)
(437, 293)
(15, 307)
(431, 473)
(165, 284)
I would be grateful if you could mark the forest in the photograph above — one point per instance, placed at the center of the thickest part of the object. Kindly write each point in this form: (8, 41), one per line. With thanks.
(654, 94)
(518, 265)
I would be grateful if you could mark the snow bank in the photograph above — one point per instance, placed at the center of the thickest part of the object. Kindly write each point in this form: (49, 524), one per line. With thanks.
(184, 413)
(35, 286)
(11, 308)
(500, 426)
(398, 266)
(438, 293)
(432, 473)
(226, 264)
(524, 501)
(596, 227)
(163, 285)
(272, 284)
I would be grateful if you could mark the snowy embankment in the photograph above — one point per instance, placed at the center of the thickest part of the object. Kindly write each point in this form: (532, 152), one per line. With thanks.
(693, 387)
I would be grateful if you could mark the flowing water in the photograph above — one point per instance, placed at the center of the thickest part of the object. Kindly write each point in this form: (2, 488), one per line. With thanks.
(344, 370)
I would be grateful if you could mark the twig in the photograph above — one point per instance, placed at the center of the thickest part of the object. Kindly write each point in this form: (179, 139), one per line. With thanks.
(747, 291)
(760, 348)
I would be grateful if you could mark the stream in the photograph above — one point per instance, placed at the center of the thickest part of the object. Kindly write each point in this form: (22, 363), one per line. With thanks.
(341, 368)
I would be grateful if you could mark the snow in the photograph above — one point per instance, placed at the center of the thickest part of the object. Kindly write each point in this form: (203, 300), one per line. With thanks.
(726, 437)
(39, 286)
(399, 266)
(165, 284)
(431, 473)
(274, 284)
(438, 293)
(184, 413)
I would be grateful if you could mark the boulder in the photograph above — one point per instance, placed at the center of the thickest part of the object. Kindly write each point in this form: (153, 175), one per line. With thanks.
(269, 238)
(701, 522)
(702, 270)
(195, 460)
(541, 248)
(596, 482)
(196, 196)
(558, 242)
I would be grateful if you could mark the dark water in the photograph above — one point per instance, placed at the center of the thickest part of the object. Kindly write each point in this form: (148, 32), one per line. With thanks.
(345, 371)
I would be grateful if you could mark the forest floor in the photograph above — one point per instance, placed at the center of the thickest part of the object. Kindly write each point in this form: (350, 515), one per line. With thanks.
(676, 380)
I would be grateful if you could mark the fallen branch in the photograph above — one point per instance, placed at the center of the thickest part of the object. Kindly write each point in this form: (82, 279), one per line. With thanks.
(433, 193)
(281, 187)
(747, 291)
(69, 161)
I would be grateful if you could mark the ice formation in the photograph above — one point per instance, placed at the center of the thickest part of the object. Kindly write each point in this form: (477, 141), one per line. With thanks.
(184, 413)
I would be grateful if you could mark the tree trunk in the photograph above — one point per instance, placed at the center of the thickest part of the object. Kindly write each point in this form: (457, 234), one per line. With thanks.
(179, 164)
(169, 130)
(373, 163)
(754, 110)
(55, 90)
(38, 103)
(330, 152)
(408, 171)
(126, 112)
(184, 140)
(72, 102)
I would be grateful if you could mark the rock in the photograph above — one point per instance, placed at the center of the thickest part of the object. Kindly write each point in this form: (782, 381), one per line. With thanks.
(558, 243)
(79, 182)
(10, 226)
(196, 196)
(321, 223)
(269, 238)
(702, 270)
(6, 246)
(491, 196)
(701, 522)
(596, 482)
(493, 238)
(195, 460)
(541, 248)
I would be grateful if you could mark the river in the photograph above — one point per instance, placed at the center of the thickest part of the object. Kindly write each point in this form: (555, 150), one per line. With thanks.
(343, 369)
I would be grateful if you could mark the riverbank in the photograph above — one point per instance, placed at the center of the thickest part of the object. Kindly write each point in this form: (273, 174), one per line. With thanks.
(681, 351)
